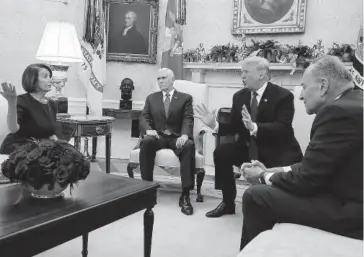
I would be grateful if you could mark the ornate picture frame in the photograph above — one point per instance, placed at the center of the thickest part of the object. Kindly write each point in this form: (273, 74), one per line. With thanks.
(269, 16)
(132, 30)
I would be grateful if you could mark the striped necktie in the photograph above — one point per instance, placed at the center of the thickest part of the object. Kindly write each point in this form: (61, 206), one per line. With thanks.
(254, 107)
(167, 102)
(253, 148)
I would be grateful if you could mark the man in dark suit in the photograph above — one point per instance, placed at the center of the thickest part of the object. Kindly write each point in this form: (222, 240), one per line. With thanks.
(167, 122)
(262, 116)
(129, 40)
(324, 190)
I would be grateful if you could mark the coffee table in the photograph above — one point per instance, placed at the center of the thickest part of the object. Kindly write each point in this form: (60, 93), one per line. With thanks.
(36, 225)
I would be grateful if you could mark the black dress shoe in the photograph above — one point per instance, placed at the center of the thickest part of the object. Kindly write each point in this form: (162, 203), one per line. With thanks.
(185, 204)
(221, 209)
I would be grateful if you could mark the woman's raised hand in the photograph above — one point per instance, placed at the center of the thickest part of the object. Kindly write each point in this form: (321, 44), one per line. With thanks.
(8, 92)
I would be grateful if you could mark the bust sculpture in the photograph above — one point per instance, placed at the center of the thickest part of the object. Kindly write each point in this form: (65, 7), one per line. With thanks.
(126, 88)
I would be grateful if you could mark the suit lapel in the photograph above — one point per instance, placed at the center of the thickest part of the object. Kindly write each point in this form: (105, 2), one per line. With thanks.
(264, 100)
(246, 101)
(161, 103)
(174, 101)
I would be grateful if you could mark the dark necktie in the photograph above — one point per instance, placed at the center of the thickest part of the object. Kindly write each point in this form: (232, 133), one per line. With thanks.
(253, 148)
(254, 107)
(167, 102)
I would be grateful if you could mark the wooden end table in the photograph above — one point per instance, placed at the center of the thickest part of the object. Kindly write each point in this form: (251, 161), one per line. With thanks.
(90, 126)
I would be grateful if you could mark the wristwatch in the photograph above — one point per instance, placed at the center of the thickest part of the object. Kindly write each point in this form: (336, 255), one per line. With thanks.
(261, 177)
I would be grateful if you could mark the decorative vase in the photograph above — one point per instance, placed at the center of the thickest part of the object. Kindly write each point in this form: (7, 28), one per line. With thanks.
(45, 193)
(346, 57)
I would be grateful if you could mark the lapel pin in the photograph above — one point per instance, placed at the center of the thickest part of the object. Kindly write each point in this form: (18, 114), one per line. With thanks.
(265, 100)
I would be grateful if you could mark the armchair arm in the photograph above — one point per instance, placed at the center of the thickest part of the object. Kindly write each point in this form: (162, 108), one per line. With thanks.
(198, 138)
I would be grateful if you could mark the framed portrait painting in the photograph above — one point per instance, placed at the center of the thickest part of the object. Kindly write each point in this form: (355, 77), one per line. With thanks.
(132, 27)
(269, 16)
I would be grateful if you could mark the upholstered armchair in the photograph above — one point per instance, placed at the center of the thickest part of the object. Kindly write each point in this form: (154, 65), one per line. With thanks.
(165, 158)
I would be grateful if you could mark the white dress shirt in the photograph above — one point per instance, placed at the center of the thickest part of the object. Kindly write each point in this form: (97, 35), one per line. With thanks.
(170, 95)
(260, 93)
(126, 30)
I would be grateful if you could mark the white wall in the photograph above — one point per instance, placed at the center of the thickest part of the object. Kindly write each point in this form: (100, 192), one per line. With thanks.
(210, 22)
(21, 28)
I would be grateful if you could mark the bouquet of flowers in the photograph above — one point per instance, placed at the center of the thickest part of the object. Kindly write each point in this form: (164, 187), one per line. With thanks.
(46, 162)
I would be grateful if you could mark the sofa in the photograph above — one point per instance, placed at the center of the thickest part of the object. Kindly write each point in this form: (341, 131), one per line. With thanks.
(292, 240)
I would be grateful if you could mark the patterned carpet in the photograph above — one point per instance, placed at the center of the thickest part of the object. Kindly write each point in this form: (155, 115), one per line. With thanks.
(168, 182)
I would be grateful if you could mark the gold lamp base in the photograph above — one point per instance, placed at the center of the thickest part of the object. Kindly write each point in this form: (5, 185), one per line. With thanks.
(59, 80)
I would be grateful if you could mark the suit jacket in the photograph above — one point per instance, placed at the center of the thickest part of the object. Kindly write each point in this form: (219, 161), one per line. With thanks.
(333, 161)
(180, 116)
(132, 43)
(275, 139)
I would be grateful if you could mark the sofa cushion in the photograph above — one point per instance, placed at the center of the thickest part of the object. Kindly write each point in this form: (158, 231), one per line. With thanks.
(288, 240)
(166, 158)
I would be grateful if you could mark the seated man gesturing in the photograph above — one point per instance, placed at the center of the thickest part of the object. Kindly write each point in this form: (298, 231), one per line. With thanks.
(167, 122)
(261, 115)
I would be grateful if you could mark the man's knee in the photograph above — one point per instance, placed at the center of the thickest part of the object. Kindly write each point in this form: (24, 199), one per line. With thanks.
(189, 145)
(148, 141)
(257, 194)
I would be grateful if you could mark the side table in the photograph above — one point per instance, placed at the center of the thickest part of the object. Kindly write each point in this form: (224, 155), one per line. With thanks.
(132, 115)
(90, 126)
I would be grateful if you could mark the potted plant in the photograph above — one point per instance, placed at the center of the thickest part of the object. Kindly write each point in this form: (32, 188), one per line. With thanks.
(303, 55)
(190, 55)
(46, 167)
(344, 51)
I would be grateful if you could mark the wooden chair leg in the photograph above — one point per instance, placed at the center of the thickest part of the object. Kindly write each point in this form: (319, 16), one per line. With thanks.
(131, 167)
(200, 175)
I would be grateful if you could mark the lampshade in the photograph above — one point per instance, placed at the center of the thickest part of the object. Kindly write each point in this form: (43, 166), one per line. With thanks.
(60, 44)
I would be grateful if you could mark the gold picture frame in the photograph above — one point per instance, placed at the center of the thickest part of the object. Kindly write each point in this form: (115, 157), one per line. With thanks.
(269, 16)
(132, 29)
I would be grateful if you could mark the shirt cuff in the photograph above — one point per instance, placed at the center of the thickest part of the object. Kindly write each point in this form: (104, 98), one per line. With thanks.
(255, 130)
(267, 177)
(216, 128)
(287, 169)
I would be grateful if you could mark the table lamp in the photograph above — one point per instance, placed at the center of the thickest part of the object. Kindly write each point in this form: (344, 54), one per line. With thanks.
(59, 48)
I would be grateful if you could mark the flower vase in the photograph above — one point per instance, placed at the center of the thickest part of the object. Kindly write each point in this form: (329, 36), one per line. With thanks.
(45, 193)
(346, 57)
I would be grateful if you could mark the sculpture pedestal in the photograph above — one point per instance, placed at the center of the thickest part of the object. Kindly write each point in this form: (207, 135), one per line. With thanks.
(125, 104)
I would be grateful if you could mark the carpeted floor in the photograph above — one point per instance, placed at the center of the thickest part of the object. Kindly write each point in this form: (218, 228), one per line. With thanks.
(175, 234)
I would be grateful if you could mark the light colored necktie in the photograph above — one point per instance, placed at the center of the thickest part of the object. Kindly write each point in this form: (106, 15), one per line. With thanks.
(167, 102)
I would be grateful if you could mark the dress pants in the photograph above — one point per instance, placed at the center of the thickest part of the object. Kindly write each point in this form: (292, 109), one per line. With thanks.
(264, 205)
(225, 157)
(149, 147)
